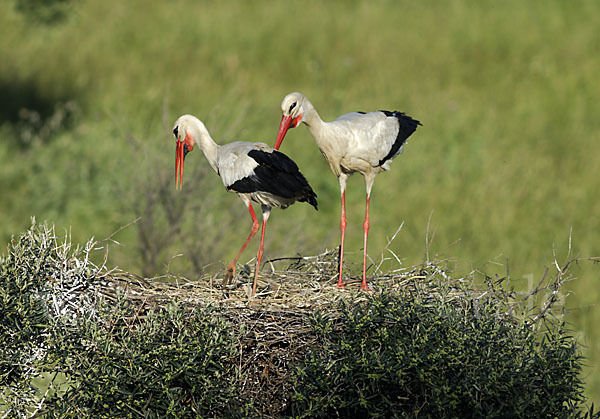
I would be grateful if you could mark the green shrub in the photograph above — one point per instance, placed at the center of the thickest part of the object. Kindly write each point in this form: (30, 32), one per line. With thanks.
(120, 360)
(24, 320)
(172, 363)
(405, 357)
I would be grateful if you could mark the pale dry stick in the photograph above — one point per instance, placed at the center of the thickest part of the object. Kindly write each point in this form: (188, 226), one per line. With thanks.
(551, 298)
(538, 288)
(493, 261)
(93, 245)
(507, 294)
(526, 295)
(277, 291)
(555, 258)
(427, 240)
(89, 247)
(395, 256)
(169, 266)
(110, 238)
(271, 265)
(386, 248)
(372, 263)
(43, 399)
(557, 284)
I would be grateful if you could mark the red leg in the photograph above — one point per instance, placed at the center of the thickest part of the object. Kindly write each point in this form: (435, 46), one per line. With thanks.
(255, 225)
(364, 285)
(260, 249)
(343, 228)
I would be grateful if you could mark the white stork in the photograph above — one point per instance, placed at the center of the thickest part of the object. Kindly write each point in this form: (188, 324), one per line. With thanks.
(255, 171)
(355, 142)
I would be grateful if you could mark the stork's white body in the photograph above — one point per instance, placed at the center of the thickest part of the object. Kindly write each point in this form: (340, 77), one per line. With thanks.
(255, 171)
(355, 142)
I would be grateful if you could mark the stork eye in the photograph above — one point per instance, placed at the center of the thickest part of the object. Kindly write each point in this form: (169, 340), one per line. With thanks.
(292, 106)
(175, 132)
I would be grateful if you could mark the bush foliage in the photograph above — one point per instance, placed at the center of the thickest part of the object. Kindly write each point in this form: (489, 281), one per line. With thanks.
(119, 363)
(433, 349)
(401, 357)
(172, 363)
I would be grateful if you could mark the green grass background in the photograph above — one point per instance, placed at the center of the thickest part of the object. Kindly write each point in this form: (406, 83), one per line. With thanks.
(507, 162)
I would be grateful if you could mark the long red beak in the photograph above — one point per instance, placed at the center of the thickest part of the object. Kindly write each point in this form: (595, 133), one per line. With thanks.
(286, 121)
(179, 157)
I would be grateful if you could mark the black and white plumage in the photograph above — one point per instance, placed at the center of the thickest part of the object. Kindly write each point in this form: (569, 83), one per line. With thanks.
(274, 180)
(355, 142)
(255, 171)
(406, 126)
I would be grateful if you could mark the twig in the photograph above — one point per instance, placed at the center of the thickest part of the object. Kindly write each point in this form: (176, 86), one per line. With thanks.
(427, 240)
(109, 238)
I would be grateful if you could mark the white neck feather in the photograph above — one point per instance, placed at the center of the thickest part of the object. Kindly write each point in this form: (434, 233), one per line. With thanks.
(196, 128)
(313, 121)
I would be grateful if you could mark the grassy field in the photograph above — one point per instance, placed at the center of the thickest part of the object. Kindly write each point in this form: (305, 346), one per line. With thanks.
(506, 163)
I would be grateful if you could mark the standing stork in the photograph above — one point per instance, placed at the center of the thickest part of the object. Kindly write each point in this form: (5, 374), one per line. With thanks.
(255, 171)
(355, 142)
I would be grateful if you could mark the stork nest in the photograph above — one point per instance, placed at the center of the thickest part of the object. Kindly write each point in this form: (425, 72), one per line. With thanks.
(276, 324)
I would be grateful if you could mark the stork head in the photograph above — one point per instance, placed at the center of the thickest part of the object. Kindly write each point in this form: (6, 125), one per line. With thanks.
(293, 109)
(184, 131)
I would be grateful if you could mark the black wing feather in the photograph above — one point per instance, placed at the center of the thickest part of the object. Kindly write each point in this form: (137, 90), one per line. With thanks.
(277, 174)
(407, 126)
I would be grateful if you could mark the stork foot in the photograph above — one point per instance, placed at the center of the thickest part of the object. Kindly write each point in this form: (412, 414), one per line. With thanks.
(340, 284)
(364, 286)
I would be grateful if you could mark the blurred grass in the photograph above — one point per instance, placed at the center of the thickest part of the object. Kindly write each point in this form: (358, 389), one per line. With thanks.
(507, 159)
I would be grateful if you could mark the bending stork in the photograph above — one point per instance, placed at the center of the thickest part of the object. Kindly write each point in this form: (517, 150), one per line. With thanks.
(255, 171)
(355, 142)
